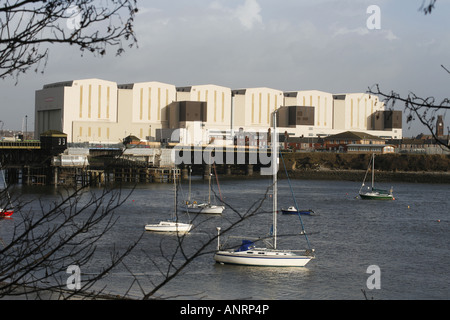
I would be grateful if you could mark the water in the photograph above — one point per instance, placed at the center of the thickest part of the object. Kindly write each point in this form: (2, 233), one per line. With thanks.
(407, 238)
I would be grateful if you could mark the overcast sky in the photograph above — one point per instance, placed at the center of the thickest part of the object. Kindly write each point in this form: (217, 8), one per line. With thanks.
(287, 45)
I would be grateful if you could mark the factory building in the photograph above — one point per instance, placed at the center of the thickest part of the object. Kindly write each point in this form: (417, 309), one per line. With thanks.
(100, 111)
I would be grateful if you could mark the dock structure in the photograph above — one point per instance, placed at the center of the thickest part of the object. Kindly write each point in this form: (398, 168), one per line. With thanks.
(51, 162)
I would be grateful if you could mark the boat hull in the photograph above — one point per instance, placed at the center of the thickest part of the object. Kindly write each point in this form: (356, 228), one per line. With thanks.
(6, 213)
(207, 209)
(262, 258)
(169, 226)
(376, 196)
(304, 212)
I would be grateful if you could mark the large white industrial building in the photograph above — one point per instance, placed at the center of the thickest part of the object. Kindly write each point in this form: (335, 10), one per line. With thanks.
(100, 111)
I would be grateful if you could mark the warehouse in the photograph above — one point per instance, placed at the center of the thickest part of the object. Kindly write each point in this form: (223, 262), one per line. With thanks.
(101, 111)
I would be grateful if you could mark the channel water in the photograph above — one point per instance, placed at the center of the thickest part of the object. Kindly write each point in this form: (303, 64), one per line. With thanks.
(407, 239)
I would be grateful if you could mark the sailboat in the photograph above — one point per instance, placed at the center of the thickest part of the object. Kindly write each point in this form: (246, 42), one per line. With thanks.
(248, 254)
(293, 209)
(171, 225)
(372, 192)
(208, 207)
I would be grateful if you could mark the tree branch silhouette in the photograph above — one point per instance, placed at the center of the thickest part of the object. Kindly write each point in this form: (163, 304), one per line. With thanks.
(27, 28)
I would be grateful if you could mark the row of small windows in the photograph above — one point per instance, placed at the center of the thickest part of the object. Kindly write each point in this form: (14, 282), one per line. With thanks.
(385, 149)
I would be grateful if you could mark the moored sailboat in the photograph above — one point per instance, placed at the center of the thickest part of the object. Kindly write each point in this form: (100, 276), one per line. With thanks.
(250, 255)
(206, 207)
(171, 225)
(372, 193)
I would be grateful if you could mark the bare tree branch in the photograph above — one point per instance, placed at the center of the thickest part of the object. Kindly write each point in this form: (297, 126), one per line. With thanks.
(28, 27)
(427, 8)
(418, 108)
(173, 271)
(44, 244)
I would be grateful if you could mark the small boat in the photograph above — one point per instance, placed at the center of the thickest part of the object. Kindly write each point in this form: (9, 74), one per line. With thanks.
(171, 225)
(270, 256)
(209, 208)
(4, 213)
(293, 210)
(372, 193)
(206, 207)
(377, 194)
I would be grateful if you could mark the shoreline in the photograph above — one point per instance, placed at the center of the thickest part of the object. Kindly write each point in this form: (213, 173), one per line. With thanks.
(431, 177)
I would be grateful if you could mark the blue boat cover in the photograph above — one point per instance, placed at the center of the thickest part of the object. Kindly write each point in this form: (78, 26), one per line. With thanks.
(245, 246)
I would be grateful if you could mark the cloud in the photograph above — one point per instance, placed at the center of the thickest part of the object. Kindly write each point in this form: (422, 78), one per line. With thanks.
(361, 31)
(345, 31)
(389, 35)
(249, 13)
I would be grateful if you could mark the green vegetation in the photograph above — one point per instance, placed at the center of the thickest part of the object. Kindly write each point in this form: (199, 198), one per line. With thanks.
(352, 167)
(384, 162)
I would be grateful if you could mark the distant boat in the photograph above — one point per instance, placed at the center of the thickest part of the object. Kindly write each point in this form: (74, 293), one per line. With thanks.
(207, 207)
(5, 213)
(271, 256)
(372, 193)
(293, 210)
(203, 208)
(171, 225)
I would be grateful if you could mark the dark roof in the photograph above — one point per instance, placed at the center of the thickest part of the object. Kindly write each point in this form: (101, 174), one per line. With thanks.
(53, 133)
(352, 135)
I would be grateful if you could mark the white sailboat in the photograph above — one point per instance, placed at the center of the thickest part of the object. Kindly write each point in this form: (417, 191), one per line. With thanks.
(207, 207)
(250, 255)
(171, 225)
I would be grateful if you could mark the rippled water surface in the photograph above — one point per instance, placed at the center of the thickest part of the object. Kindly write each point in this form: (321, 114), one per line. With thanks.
(407, 238)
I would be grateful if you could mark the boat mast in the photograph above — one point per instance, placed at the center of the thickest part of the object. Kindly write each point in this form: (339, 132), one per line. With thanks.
(209, 185)
(274, 173)
(190, 176)
(373, 169)
(175, 197)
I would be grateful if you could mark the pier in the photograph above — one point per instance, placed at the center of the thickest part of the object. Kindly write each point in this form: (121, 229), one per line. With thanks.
(51, 162)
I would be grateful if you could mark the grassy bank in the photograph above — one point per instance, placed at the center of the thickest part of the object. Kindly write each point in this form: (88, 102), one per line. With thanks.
(389, 167)
(384, 162)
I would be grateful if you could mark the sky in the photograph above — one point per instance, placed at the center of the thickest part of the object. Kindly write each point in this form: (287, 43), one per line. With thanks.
(335, 46)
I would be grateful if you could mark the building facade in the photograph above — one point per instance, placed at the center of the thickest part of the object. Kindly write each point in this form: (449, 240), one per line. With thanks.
(322, 102)
(101, 111)
(217, 101)
(253, 107)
